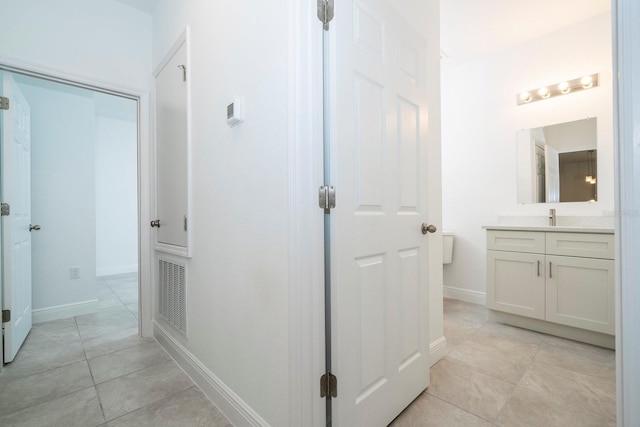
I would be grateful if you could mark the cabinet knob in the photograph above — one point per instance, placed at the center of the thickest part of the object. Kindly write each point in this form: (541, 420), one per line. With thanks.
(155, 223)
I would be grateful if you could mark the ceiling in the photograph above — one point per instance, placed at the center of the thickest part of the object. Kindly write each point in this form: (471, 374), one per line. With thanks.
(472, 28)
(147, 6)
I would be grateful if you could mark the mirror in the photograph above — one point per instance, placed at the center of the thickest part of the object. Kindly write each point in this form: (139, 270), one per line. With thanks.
(558, 163)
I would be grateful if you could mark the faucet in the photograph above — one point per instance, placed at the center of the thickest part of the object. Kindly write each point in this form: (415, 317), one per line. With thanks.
(552, 217)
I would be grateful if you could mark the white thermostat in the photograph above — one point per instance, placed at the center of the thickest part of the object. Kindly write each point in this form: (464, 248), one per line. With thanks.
(235, 112)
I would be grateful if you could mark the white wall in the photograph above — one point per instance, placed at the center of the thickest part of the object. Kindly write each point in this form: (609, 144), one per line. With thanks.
(116, 179)
(237, 290)
(63, 196)
(479, 128)
(99, 39)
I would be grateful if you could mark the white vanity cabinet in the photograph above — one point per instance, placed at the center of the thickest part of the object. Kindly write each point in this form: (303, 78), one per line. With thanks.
(565, 278)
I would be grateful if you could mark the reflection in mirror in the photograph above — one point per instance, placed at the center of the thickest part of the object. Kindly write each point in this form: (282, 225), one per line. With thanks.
(558, 163)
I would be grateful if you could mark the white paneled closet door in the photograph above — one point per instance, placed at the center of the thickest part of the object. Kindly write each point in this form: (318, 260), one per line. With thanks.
(379, 126)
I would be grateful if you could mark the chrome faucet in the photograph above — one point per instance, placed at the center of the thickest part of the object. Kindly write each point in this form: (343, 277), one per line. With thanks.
(552, 217)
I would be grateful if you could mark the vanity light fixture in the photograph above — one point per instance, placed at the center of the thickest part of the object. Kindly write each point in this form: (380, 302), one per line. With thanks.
(563, 88)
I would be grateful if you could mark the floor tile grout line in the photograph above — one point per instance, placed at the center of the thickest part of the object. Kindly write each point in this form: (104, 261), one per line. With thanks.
(47, 401)
(462, 409)
(153, 403)
(138, 370)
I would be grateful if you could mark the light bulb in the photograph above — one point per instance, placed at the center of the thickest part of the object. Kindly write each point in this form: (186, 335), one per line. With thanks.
(564, 87)
(586, 82)
(588, 178)
(525, 97)
(593, 181)
(544, 92)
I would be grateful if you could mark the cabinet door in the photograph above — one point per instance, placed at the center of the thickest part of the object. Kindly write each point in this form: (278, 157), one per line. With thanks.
(580, 293)
(515, 283)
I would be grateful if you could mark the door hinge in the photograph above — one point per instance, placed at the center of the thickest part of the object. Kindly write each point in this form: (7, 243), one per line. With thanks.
(327, 198)
(185, 223)
(325, 12)
(5, 209)
(6, 316)
(328, 385)
(4, 103)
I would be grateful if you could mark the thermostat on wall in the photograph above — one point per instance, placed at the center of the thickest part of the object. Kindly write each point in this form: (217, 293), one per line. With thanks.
(235, 112)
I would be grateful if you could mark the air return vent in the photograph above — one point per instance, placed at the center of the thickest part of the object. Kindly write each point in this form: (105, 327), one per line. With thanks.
(173, 304)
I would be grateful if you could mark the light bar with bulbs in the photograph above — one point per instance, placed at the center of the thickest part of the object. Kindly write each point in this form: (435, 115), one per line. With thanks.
(558, 89)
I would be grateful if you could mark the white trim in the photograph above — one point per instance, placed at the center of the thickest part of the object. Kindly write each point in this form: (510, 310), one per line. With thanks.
(306, 226)
(230, 404)
(466, 295)
(116, 270)
(626, 67)
(142, 98)
(64, 311)
(438, 349)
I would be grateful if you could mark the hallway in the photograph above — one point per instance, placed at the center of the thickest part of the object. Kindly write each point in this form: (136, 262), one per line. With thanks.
(94, 368)
(89, 369)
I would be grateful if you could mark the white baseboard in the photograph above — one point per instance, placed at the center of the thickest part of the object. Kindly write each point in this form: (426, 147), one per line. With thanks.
(118, 269)
(230, 404)
(438, 350)
(465, 295)
(64, 311)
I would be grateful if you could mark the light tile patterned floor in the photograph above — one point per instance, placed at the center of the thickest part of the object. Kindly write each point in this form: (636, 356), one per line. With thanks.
(500, 375)
(94, 370)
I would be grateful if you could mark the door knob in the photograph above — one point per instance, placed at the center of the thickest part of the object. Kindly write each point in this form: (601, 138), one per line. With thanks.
(155, 223)
(428, 228)
(34, 227)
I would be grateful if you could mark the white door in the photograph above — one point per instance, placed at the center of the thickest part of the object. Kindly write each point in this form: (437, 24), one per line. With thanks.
(379, 145)
(16, 237)
(172, 150)
(552, 174)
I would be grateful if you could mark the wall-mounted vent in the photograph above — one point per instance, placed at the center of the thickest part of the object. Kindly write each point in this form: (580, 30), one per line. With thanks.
(173, 302)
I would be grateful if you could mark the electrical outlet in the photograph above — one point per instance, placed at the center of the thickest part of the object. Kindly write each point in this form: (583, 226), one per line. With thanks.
(75, 272)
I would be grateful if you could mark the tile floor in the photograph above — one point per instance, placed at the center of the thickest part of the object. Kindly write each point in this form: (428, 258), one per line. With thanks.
(94, 370)
(500, 375)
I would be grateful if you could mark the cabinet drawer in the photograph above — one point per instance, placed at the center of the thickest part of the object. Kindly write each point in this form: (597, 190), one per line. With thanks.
(516, 241)
(584, 245)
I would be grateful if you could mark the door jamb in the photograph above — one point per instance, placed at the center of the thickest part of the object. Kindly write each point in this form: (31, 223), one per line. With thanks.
(142, 97)
(306, 219)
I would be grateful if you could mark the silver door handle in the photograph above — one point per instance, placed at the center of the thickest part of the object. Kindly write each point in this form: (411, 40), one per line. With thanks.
(34, 227)
(550, 276)
(155, 223)
(428, 228)
(538, 268)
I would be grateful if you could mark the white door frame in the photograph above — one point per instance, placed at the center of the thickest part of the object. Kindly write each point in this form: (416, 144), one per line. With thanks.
(142, 97)
(626, 66)
(306, 219)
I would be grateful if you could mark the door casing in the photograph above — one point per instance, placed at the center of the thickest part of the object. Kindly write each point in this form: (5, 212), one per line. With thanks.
(142, 98)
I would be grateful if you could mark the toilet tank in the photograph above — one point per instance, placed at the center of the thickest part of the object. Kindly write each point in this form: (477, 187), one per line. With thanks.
(447, 247)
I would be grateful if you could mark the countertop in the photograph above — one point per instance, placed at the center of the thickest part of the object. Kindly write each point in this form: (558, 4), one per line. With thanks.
(559, 228)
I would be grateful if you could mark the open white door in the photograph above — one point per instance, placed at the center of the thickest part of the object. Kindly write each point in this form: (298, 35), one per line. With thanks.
(552, 174)
(16, 236)
(379, 146)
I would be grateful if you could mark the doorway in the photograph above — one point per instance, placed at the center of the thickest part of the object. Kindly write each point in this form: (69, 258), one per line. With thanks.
(83, 227)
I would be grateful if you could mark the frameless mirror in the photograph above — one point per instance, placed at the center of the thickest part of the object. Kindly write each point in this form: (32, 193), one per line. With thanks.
(558, 163)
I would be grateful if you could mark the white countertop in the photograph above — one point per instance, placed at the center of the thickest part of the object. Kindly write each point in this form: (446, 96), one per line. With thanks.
(558, 228)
